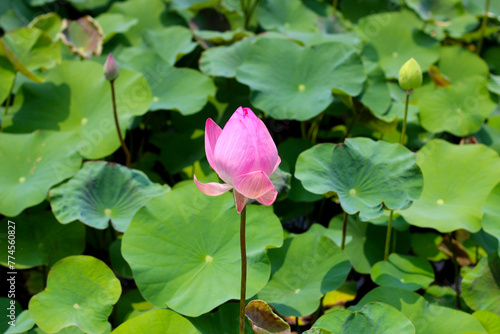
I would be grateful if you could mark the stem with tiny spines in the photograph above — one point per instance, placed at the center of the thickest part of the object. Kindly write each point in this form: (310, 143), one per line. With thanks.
(403, 130)
(243, 218)
(388, 236)
(115, 113)
(344, 230)
(483, 26)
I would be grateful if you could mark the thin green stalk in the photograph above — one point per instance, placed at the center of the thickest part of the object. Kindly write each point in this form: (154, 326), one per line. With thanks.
(303, 130)
(251, 11)
(388, 236)
(115, 113)
(243, 218)
(483, 26)
(457, 271)
(403, 130)
(344, 230)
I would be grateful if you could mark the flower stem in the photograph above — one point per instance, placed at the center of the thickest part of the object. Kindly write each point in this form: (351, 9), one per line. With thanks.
(344, 230)
(457, 271)
(388, 236)
(125, 149)
(403, 130)
(483, 26)
(243, 218)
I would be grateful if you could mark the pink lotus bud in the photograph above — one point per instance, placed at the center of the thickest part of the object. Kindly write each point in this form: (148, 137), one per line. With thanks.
(244, 155)
(111, 71)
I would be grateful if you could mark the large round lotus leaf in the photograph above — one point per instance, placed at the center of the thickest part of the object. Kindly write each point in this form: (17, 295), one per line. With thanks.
(405, 272)
(42, 241)
(289, 81)
(30, 165)
(83, 5)
(364, 173)
(103, 192)
(50, 23)
(459, 109)
(393, 38)
(437, 10)
(373, 318)
(223, 61)
(200, 235)
(24, 323)
(182, 89)
(489, 320)
(491, 216)
(68, 103)
(130, 305)
(7, 75)
(377, 95)
(286, 14)
(114, 23)
(364, 245)
(305, 268)
(458, 63)
(481, 285)
(157, 322)
(81, 291)
(224, 321)
(458, 180)
(147, 12)
(428, 318)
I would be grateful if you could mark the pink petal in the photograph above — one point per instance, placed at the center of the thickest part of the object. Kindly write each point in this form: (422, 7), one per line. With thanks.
(253, 185)
(212, 133)
(212, 188)
(240, 201)
(268, 198)
(277, 164)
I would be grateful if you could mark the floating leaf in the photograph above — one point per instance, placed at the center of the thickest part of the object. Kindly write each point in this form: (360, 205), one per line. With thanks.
(393, 38)
(182, 89)
(43, 241)
(157, 321)
(365, 174)
(489, 320)
(130, 305)
(374, 318)
(405, 272)
(491, 216)
(7, 75)
(31, 164)
(223, 321)
(286, 14)
(50, 23)
(223, 61)
(103, 192)
(81, 291)
(24, 323)
(68, 103)
(426, 317)
(114, 23)
(264, 320)
(203, 262)
(481, 285)
(84, 36)
(318, 330)
(284, 92)
(455, 188)
(83, 5)
(439, 11)
(303, 269)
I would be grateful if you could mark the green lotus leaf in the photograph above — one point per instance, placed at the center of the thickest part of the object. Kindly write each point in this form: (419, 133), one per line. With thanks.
(24, 323)
(169, 44)
(393, 38)
(81, 292)
(42, 241)
(306, 267)
(458, 180)
(103, 192)
(356, 9)
(489, 320)
(477, 7)
(223, 321)
(264, 320)
(31, 164)
(83, 5)
(223, 61)
(157, 322)
(286, 14)
(377, 96)
(192, 4)
(203, 262)
(120, 266)
(318, 330)
(213, 37)
(7, 75)
(491, 216)
(147, 12)
(437, 10)
(50, 23)
(405, 272)
(426, 317)
(69, 330)
(490, 133)
(114, 23)
(481, 285)
(5, 304)
(130, 305)
(374, 318)
(68, 103)
(365, 174)
(426, 245)
(459, 64)
(286, 86)
(494, 84)
(182, 89)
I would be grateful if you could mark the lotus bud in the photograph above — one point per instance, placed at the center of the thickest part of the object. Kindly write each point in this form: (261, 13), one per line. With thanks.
(111, 71)
(410, 75)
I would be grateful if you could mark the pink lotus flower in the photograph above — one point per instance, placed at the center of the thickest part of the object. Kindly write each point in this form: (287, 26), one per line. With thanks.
(244, 155)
